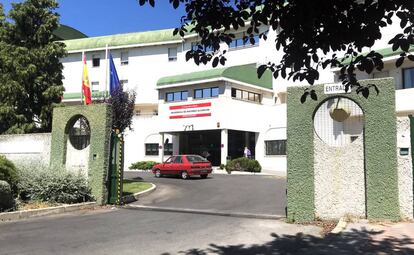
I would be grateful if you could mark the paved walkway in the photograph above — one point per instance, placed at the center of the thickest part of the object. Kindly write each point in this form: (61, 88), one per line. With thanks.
(390, 237)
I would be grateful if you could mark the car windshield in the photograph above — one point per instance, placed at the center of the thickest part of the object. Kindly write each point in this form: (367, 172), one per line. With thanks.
(196, 158)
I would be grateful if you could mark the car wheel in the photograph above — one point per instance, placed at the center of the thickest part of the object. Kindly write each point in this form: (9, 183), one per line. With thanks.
(203, 176)
(184, 175)
(157, 173)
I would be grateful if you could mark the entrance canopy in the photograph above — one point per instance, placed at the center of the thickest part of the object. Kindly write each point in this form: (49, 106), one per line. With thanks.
(243, 74)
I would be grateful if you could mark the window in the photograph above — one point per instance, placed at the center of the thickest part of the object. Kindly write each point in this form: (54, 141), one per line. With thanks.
(196, 46)
(383, 74)
(408, 74)
(95, 86)
(275, 147)
(176, 96)
(172, 54)
(124, 58)
(80, 133)
(178, 160)
(151, 149)
(245, 95)
(239, 42)
(196, 158)
(169, 160)
(123, 82)
(96, 60)
(168, 149)
(214, 92)
(206, 93)
(198, 93)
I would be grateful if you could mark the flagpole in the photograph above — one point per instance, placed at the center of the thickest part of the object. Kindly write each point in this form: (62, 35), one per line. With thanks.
(83, 57)
(106, 70)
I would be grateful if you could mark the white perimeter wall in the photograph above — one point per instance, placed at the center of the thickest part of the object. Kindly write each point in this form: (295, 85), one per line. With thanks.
(26, 148)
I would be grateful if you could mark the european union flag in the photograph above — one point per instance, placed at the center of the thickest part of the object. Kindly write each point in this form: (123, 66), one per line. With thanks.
(113, 76)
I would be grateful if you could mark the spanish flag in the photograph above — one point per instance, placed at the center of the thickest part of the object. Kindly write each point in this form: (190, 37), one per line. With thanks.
(86, 88)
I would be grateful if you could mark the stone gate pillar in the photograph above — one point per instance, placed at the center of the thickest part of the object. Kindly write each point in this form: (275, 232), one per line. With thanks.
(99, 118)
(380, 157)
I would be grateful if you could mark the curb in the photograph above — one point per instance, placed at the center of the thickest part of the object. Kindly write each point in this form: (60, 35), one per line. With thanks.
(9, 216)
(206, 212)
(134, 197)
(340, 226)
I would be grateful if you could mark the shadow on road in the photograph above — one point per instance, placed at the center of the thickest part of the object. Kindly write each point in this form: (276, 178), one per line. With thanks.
(135, 179)
(353, 242)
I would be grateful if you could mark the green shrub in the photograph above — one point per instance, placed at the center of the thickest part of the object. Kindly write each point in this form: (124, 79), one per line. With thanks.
(222, 166)
(142, 165)
(6, 196)
(45, 184)
(243, 164)
(8, 173)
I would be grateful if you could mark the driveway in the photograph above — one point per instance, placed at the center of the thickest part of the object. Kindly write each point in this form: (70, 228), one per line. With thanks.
(253, 194)
(123, 231)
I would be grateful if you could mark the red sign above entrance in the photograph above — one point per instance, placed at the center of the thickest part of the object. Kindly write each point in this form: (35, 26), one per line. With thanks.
(186, 106)
(190, 110)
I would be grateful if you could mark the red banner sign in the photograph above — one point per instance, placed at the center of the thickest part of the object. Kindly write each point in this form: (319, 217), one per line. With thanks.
(190, 110)
(187, 106)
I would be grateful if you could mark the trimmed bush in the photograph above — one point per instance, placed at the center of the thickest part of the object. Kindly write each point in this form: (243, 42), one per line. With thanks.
(6, 196)
(243, 164)
(142, 165)
(45, 184)
(222, 166)
(9, 174)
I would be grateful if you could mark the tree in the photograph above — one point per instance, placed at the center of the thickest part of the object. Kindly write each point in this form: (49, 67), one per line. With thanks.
(123, 103)
(310, 32)
(31, 74)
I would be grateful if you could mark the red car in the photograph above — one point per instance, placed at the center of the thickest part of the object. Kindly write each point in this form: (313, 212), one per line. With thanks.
(183, 165)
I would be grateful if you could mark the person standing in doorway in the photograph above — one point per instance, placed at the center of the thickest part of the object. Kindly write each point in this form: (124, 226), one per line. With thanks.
(247, 152)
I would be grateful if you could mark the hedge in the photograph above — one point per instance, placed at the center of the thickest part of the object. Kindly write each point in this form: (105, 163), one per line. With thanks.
(243, 164)
(6, 196)
(9, 174)
(142, 165)
(53, 185)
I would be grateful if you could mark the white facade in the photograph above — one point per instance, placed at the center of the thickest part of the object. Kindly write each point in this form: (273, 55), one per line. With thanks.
(148, 62)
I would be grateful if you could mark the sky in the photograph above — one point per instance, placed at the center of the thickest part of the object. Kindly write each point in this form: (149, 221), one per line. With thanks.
(106, 17)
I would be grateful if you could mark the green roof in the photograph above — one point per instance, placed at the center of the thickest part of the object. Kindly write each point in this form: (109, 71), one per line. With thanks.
(122, 39)
(386, 52)
(77, 95)
(244, 73)
(64, 32)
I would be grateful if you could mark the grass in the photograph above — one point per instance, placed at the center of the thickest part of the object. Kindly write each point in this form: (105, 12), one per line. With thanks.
(130, 186)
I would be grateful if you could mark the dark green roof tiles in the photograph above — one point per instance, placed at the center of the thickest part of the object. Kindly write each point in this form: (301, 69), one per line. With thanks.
(243, 73)
(122, 39)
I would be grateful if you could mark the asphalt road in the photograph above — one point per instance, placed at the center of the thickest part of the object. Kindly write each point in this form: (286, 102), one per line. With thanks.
(127, 231)
(256, 194)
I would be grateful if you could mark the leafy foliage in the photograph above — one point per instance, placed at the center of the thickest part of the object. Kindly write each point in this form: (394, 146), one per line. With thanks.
(308, 33)
(123, 103)
(53, 185)
(8, 173)
(6, 197)
(30, 71)
(243, 164)
(142, 165)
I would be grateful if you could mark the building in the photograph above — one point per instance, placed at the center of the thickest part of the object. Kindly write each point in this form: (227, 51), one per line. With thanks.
(185, 108)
